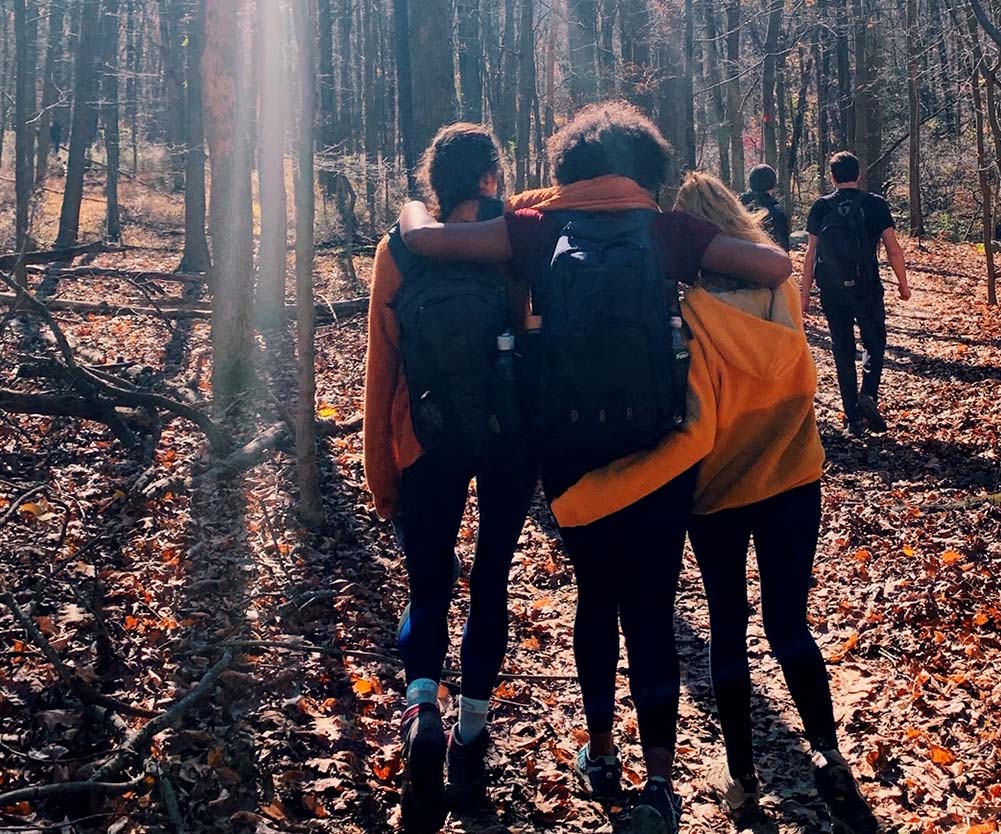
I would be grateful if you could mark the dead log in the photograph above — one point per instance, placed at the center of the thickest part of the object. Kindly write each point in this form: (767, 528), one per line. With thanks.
(141, 275)
(180, 309)
(271, 438)
(8, 260)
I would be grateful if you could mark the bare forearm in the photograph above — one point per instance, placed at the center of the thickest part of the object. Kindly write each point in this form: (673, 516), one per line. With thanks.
(485, 242)
(768, 266)
(898, 265)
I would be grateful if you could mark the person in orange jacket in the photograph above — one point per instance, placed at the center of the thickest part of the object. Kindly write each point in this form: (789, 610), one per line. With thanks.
(754, 433)
(424, 492)
(626, 547)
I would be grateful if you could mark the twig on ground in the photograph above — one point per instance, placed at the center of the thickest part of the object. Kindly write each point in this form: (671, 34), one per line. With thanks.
(62, 789)
(138, 743)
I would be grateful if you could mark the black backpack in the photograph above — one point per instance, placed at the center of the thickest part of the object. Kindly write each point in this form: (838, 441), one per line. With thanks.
(844, 260)
(608, 383)
(449, 315)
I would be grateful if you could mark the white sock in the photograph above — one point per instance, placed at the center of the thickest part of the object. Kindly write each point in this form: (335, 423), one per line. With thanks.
(422, 691)
(472, 718)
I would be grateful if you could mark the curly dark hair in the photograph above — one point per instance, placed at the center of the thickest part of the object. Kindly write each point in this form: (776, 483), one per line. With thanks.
(451, 166)
(610, 137)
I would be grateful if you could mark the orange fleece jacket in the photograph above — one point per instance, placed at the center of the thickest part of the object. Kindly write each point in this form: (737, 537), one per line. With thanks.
(389, 442)
(751, 421)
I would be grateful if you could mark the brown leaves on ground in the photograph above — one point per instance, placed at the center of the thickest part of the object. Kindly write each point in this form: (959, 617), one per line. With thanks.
(137, 589)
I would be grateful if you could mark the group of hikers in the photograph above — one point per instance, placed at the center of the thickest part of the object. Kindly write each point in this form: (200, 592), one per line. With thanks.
(550, 336)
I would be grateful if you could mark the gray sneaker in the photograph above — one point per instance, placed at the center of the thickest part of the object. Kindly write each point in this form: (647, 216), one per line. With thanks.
(601, 776)
(739, 796)
(837, 787)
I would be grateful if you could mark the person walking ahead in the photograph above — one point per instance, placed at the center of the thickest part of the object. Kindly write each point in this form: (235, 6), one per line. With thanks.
(762, 196)
(845, 230)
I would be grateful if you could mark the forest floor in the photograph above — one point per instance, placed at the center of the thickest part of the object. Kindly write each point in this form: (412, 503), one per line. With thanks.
(137, 590)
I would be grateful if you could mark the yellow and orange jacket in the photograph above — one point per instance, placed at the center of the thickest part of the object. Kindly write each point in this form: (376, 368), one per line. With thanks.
(751, 423)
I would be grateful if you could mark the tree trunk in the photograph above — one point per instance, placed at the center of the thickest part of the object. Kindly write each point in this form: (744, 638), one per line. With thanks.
(861, 90)
(371, 112)
(310, 503)
(768, 138)
(345, 116)
(713, 76)
(404, 88)
(196, 248)
(50, 91)
(470, 59)
(506, 106)
(635, 35)
(109, 116)
(549, 118)
(31, 73)
(917, 225)
(173, 83)
(22, 157)
(819, 60)
(5, 67)
(328, 94)
(846, 116)
(131, 80)
(526, 93)
(876, 177)
(271, 118)
(582, 36)
(228, 106)
(433, 70)
(735, 118)
(84, 124)
(783, 167)
(606, 49)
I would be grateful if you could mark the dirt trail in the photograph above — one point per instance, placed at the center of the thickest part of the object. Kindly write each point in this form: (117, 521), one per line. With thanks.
(141, 589)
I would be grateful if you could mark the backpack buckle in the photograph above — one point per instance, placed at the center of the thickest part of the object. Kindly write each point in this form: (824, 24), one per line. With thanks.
(601, 415)
(629, 413)
(573, 416)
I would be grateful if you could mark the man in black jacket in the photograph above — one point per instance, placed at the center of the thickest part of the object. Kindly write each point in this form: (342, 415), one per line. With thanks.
(846, 228)
(762, 182)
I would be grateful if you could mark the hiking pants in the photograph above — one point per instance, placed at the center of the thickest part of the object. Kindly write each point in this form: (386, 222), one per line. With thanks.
(843, 310)
(785, 530)
(627, 567)
(433, 496)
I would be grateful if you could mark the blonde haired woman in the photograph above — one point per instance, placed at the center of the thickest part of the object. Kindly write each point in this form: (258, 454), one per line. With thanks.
(752, 428)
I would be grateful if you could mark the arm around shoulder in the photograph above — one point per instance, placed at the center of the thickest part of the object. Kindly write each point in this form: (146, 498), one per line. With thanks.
(768, 266)
(484, 242)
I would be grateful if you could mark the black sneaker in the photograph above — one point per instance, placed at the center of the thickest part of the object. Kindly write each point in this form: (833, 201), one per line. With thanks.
(466, 768)
(837, 787)
(658, 810)
(867, 406)
(422, 797)
(601, 777)
(856, 427)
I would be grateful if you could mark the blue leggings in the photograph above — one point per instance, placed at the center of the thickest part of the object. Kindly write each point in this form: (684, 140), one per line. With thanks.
(432, 500)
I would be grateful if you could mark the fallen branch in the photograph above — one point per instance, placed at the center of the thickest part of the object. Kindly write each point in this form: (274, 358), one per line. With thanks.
(95, 385)
(124, 274)
(273, 437)
(11, 259)
(183, 309)
(138, 743)
(71, 789)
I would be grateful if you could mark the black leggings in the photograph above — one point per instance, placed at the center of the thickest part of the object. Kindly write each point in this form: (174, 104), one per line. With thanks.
(785, 530)
(432, 499)
(627, 568)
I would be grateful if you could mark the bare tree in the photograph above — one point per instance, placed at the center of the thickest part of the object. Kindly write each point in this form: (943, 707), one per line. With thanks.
(22, 157)
(526, 92)
(109, 116)
(196, 248)
(310, 503)
(50, 90)
(84, 124)
(271, 118)
(917, 225)
(228, 105)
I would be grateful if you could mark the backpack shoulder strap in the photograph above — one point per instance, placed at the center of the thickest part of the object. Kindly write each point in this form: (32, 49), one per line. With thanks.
(406, 261)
